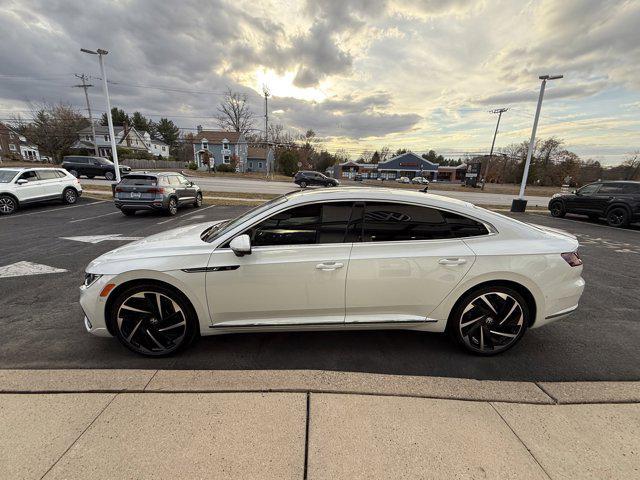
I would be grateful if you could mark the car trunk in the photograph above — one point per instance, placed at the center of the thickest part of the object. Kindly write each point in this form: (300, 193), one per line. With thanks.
(138, 187)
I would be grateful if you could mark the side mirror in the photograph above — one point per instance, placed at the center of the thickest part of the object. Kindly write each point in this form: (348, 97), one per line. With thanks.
(241, 245)
(22, 181)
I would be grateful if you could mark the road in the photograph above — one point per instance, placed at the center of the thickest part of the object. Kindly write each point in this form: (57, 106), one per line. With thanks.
(226, 184)
(41, 320)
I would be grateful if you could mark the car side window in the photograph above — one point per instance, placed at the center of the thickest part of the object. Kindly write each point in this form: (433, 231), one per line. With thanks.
(317, 223)
(183, 180)
(47, 174)
(29, 176)
(393, 222)
(173, 181)
(589, 189)
(611, 188)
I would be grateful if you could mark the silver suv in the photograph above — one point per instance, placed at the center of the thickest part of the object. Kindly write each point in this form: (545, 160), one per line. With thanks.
(164, 191)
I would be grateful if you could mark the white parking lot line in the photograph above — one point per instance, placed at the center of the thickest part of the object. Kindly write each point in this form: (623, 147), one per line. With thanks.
(91, 218)
(186, 214)
(52, 210)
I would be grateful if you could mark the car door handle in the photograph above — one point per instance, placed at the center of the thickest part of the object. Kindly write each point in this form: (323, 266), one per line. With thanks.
(328, 266)
(452, 261)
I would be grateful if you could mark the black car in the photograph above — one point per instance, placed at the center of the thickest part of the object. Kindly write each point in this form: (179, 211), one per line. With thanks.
(618, 202)
(90, 167)
(306, 178)
(164, 191)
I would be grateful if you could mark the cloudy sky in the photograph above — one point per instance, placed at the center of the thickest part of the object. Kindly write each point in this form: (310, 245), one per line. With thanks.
(363, 74)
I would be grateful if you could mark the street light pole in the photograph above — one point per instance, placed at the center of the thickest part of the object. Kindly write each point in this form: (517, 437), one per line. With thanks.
(520, 204)
(114, 150)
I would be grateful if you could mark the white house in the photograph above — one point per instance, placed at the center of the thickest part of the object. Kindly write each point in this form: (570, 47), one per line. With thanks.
(154, 146)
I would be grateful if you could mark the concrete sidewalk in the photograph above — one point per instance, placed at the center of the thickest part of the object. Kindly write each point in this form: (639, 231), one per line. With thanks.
(311, 424)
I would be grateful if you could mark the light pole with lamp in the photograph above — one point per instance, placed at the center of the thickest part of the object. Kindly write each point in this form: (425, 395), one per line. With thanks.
(114, 150)
(520, 204)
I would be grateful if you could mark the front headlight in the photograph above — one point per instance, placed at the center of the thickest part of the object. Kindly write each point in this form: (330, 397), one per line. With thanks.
(89, 278)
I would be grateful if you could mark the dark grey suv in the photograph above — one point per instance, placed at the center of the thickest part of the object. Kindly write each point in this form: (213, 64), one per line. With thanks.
(164, 191)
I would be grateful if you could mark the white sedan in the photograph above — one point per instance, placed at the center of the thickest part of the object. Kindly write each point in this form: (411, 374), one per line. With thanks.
(338, 259)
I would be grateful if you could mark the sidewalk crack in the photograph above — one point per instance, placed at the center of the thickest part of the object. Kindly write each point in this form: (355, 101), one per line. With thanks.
(152, 377)
(306, 437)
(520, 440)
(80, 435)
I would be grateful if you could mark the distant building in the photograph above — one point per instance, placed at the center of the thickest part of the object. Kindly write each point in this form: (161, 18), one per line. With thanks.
(222, 147)
(12, 145)
(155, 147)
(259, 159)
(452, 174)
(127, 138)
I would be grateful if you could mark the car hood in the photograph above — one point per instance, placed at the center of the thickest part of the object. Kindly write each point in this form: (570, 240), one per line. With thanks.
(176, 248)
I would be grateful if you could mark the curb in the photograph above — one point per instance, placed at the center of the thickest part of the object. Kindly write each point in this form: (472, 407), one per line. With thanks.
(315, 381)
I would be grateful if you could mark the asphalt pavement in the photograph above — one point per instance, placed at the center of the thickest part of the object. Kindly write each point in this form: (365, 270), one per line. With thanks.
(41, 320)
(239, 185)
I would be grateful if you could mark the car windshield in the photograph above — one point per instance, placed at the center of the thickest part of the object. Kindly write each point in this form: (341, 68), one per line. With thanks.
(220, 229)
(7, 175)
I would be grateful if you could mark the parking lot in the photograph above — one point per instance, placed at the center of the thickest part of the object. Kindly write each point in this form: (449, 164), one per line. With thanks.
(41, 320)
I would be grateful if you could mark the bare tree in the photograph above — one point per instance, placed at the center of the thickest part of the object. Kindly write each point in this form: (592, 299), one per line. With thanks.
(633, 163)
(234, 113)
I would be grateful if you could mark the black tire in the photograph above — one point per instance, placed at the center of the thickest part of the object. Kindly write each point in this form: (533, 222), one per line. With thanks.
(487, 329)
(557, 210)
(8, 205)
(109, 176)
(69, 196)
(303, 184)
(172, 207)
(74, 173)
(618, 217)
(128, 212)
(133, 319)
(198, 202)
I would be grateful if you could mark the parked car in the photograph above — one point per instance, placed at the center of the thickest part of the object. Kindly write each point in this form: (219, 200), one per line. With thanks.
(306, 178)
(357, 178)
(20, 186)
(403, 180)
(164, 191)
(618, 202)
(381, 259)
(90, 167)
(420, 180)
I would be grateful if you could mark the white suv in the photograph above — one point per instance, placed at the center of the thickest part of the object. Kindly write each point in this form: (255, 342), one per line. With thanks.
(19, 186)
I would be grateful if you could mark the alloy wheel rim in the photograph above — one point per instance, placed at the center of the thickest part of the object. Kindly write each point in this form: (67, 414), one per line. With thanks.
(615, 217)
(173, 207)
(6, 205)
(491, 322)
(199, 199)
(70, 196)
(151, 322)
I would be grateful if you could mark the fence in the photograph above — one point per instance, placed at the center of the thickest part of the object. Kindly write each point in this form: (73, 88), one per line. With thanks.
(138, 163)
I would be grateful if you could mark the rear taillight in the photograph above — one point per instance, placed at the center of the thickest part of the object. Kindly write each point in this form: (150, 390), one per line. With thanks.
(572, 258)
(155, 190)
(118, 189)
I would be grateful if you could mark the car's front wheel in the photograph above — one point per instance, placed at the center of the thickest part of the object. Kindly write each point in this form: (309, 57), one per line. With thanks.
(74, 173)
(8, 205)
(153, 320)
(489, 320)
(618, 217)
(69, 196)
(198, 201)
(557, 210)
(109, 176)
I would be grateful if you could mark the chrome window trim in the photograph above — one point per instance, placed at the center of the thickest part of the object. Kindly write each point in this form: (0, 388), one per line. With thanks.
(243, 228)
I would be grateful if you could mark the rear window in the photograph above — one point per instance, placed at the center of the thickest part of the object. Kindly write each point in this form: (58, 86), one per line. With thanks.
(139, 180)
(48, 174)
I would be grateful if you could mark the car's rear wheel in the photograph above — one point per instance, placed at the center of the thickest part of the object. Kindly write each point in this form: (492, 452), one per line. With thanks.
(153, 320)
(618, 217)
(557, 210)
(69, 196)
(8, 205)
(74, 173)
(489, 320)
(198, 202)
(109, 176)
(172, 208)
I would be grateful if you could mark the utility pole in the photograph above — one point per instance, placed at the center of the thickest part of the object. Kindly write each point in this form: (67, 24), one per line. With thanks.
(265, 90)
(499, 111)
(520, 204)
(114, 149)
(85, 86)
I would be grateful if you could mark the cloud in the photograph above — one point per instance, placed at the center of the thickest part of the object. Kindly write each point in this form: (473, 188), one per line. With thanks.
(551, 91)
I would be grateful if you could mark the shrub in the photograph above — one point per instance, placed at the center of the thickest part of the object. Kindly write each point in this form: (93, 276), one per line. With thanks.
(192, 166)
(225, 167)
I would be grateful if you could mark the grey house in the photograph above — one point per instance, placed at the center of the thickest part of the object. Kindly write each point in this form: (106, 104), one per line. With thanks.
(259, 159)
(222, 147)
(407, 165)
